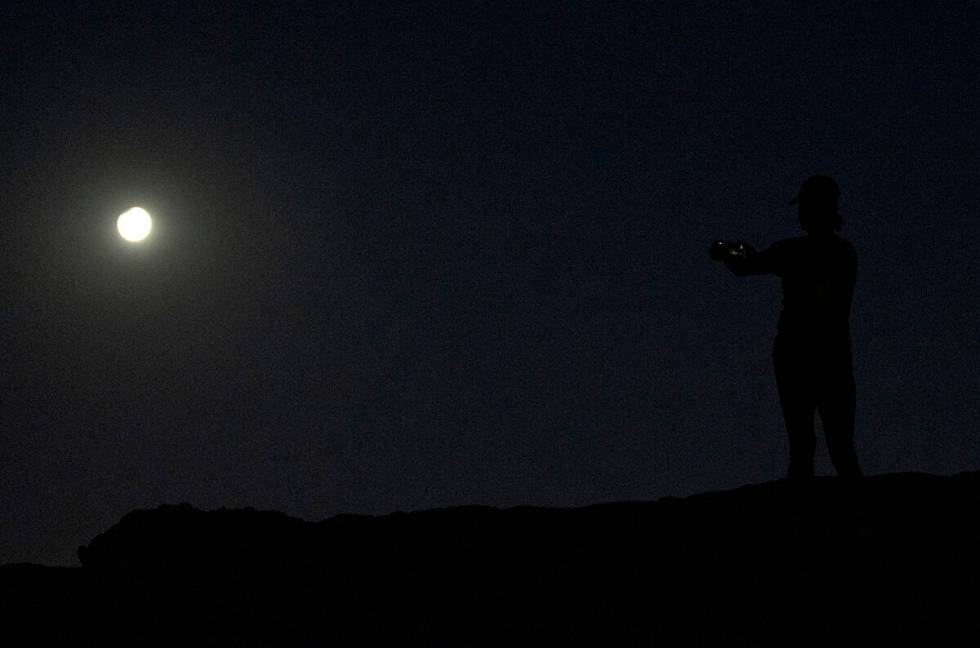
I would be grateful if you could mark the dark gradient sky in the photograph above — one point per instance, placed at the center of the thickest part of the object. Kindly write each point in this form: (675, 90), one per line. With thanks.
(413, 255)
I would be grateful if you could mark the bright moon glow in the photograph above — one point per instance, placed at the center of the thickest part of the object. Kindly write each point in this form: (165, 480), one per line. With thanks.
(134, 225)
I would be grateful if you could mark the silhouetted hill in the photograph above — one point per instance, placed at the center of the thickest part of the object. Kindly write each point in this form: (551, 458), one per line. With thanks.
(725, 568)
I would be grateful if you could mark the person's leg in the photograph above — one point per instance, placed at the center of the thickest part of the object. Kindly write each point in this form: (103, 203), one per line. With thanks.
(798, 403)
(836, 405)
(798, 416)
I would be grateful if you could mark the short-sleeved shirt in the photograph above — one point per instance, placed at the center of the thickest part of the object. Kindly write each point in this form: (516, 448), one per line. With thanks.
(818, 276)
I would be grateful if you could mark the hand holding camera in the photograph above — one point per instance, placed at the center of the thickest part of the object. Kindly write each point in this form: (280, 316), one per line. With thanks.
(731, 250)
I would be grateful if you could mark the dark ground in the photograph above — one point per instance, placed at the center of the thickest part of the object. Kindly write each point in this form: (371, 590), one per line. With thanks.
(724, 568)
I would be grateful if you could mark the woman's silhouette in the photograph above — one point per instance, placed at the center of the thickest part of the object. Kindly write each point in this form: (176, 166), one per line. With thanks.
(812, 351)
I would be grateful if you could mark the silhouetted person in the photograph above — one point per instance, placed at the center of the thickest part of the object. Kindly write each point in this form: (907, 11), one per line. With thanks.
(812, 350)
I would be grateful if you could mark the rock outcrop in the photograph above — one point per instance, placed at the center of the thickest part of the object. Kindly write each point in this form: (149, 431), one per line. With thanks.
(740, 567)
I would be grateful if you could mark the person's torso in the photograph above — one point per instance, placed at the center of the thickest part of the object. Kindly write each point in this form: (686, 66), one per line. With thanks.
(818, 275)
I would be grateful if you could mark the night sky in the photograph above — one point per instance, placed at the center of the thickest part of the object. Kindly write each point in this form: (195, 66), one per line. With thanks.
(413, 255)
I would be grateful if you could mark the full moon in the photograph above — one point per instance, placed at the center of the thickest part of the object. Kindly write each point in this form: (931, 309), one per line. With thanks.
(135, 224)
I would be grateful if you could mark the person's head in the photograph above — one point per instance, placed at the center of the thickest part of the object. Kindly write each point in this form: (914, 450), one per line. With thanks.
(817, 202)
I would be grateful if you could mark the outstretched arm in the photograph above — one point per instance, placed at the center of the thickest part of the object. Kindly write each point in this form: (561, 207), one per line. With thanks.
(753, 262)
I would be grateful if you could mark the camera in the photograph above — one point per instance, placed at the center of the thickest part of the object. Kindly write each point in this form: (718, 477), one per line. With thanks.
(729, 249)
